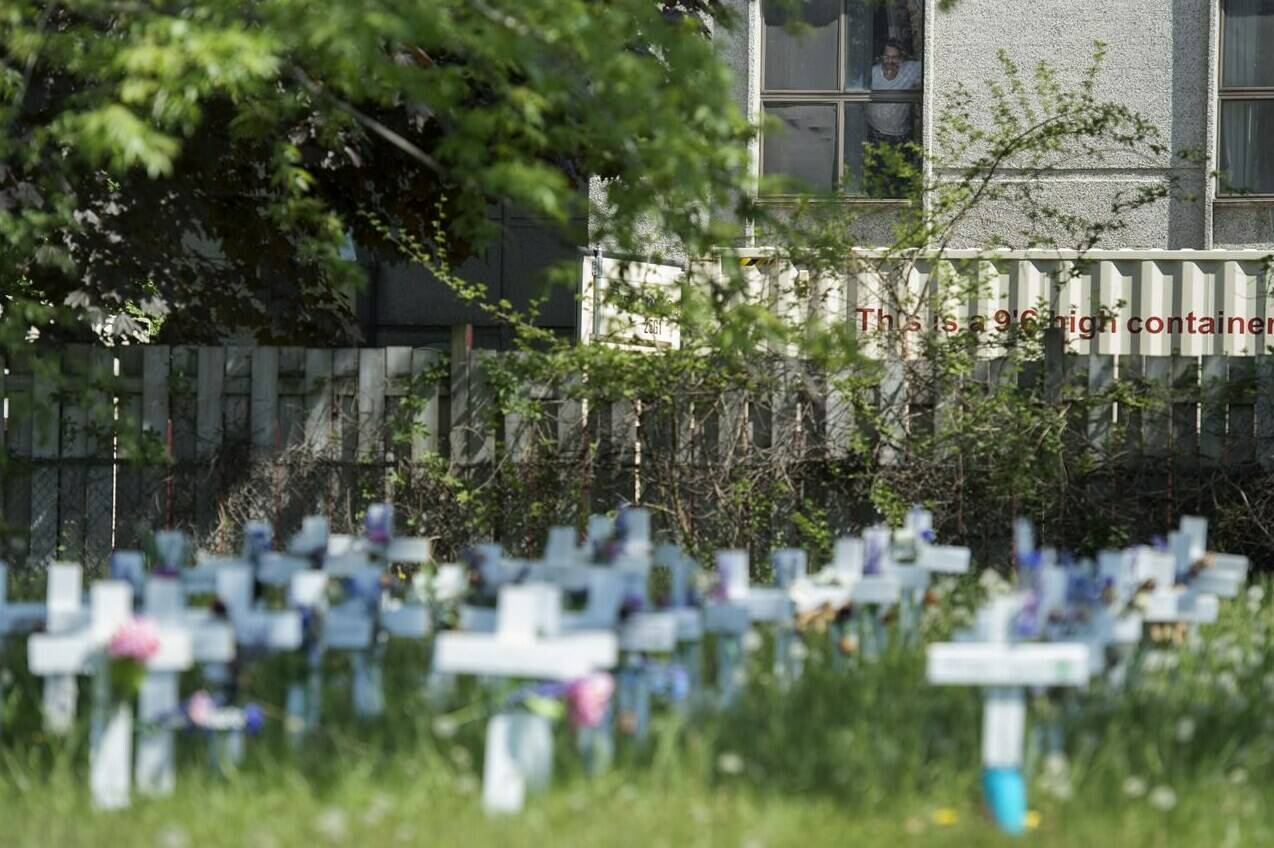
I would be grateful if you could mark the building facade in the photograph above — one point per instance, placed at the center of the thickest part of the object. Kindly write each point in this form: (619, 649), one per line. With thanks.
(1199, 70)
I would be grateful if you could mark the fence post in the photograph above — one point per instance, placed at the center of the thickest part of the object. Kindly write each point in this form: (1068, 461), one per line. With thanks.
(263, 403)
(1212, 413)
(425, 420)
(461, 410)
(1185, 401)
(1101, 376)
(893, 410)
(318, 401)
(72, 471)
(99, 497)
(1265, 411)
(46, 409)
(209, 430)
(1240, 436)
(371, 404)
(156, 368)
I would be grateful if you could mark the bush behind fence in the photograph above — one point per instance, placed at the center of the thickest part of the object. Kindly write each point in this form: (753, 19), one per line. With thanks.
(102, 445)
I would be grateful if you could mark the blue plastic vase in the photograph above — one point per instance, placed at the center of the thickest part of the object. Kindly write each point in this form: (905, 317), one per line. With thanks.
(1005, 791)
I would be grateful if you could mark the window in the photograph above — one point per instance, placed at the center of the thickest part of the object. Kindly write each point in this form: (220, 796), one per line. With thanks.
(842, 79)
(1247, 97)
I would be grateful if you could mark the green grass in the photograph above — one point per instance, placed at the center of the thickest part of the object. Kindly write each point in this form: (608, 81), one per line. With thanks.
(855, 755)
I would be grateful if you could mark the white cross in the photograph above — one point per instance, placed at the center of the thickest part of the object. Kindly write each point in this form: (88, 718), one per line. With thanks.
(212, 642)
(82, 650)
(790, 569)
(865, 569)
(65, 613)
(1167, 603)
(1005, 669)
(171, 549)
(368, 617)
(528, 643)
(1212, 573)
(730, 614)
(683, 576)
(916, 558)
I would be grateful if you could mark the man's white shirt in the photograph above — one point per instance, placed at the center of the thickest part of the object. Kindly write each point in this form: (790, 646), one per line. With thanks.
(893, 119)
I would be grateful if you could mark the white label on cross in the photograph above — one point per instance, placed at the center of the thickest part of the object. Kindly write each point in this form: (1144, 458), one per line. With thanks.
(404, 620)
(527, 641)
(847, 557)
(998, 664)
(945, 559)
(732, 573)
(347, 628)
(414, 550)
(649, 632)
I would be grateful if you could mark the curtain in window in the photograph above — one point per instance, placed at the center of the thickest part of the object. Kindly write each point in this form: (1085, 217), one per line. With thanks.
(1249, 44)
(1247, 157)
(806, 59)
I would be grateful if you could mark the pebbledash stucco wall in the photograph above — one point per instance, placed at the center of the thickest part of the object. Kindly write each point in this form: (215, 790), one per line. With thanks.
(1161, 58)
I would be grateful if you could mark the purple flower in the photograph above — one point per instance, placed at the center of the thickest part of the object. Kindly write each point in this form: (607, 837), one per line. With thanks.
(630, 605)
(364, 586)
(678, 681)
(1026, 623)
(258, 538)
(379, 523)
(253, 719)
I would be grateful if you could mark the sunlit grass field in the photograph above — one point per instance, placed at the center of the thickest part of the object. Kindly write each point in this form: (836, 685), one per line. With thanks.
(856, 754)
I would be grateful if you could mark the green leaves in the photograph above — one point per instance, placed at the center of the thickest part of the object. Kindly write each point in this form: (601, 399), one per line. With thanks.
(115, 137)
(215, 142)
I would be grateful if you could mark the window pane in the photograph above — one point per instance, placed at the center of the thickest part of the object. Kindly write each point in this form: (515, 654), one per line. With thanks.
(884, 44)
(804, 146)
(1249, 35)
(1247, 157)
(859, 48)
(881, 164)
(806, 60)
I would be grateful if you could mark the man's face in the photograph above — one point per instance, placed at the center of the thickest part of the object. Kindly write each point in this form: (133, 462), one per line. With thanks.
(890, 62)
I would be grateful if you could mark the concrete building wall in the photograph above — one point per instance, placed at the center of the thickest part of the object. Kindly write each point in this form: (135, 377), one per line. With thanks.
(1155, 63)
(1161, 61)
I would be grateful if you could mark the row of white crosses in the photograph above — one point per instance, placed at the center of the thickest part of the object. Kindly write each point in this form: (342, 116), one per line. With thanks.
(881, 571)
(529, 636)
(1179, 587)
(75, 640)
(213, 649)
(1001, 656)
(367, 616)
(616, 592)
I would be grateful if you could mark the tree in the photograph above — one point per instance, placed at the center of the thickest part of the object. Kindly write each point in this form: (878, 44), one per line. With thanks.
(206, 161)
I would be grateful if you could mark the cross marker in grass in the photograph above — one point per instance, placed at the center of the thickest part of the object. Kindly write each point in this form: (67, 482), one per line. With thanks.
(86, 649)
(1005, 668)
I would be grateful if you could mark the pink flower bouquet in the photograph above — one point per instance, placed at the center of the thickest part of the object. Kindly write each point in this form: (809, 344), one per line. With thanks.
(588, 698)
(134, 643)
